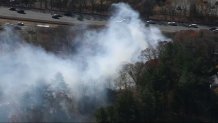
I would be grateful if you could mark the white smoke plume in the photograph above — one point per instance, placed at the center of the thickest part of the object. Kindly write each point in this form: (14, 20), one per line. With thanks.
(99, 57)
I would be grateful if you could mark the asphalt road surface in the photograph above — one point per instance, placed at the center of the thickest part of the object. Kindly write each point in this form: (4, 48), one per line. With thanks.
(45, 17)
(34, 17)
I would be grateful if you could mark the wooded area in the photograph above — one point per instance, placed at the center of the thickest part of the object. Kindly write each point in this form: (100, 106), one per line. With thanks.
(174, 85)
(177, 83)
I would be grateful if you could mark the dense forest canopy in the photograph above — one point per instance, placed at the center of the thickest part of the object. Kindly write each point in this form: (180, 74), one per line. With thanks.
(175, 85)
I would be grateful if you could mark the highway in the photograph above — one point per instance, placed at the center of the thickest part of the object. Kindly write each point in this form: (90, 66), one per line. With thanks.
(33, 18)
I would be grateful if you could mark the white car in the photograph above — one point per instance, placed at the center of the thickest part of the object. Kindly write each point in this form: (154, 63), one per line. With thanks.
(172, 23)
(193, 25)
(20, 24)
(41, 25)
(150, 22)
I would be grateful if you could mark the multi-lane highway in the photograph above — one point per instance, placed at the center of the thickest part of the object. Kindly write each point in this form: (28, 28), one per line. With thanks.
(33, 18)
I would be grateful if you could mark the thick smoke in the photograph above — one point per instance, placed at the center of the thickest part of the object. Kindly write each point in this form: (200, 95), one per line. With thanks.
(28, 73)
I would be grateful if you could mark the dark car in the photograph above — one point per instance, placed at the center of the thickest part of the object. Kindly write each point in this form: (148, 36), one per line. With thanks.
(21, 11)
(216, 30)
(68, 13)
(150, 22)
(20, 24)
(12, 9)
(213, 28)
(56, 16)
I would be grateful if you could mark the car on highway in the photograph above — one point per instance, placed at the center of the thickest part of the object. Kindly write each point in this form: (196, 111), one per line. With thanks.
(193, 26)
(150, 22)
(172, 23)
(68, 13)
(12, 9)
(212, 28)
(21, 11)
(56, 16)
(216, 30)
(20, 24)
(43, 25)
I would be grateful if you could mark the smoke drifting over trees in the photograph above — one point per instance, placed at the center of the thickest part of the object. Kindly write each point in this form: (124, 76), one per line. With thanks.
(179, 85)
(41, 86)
